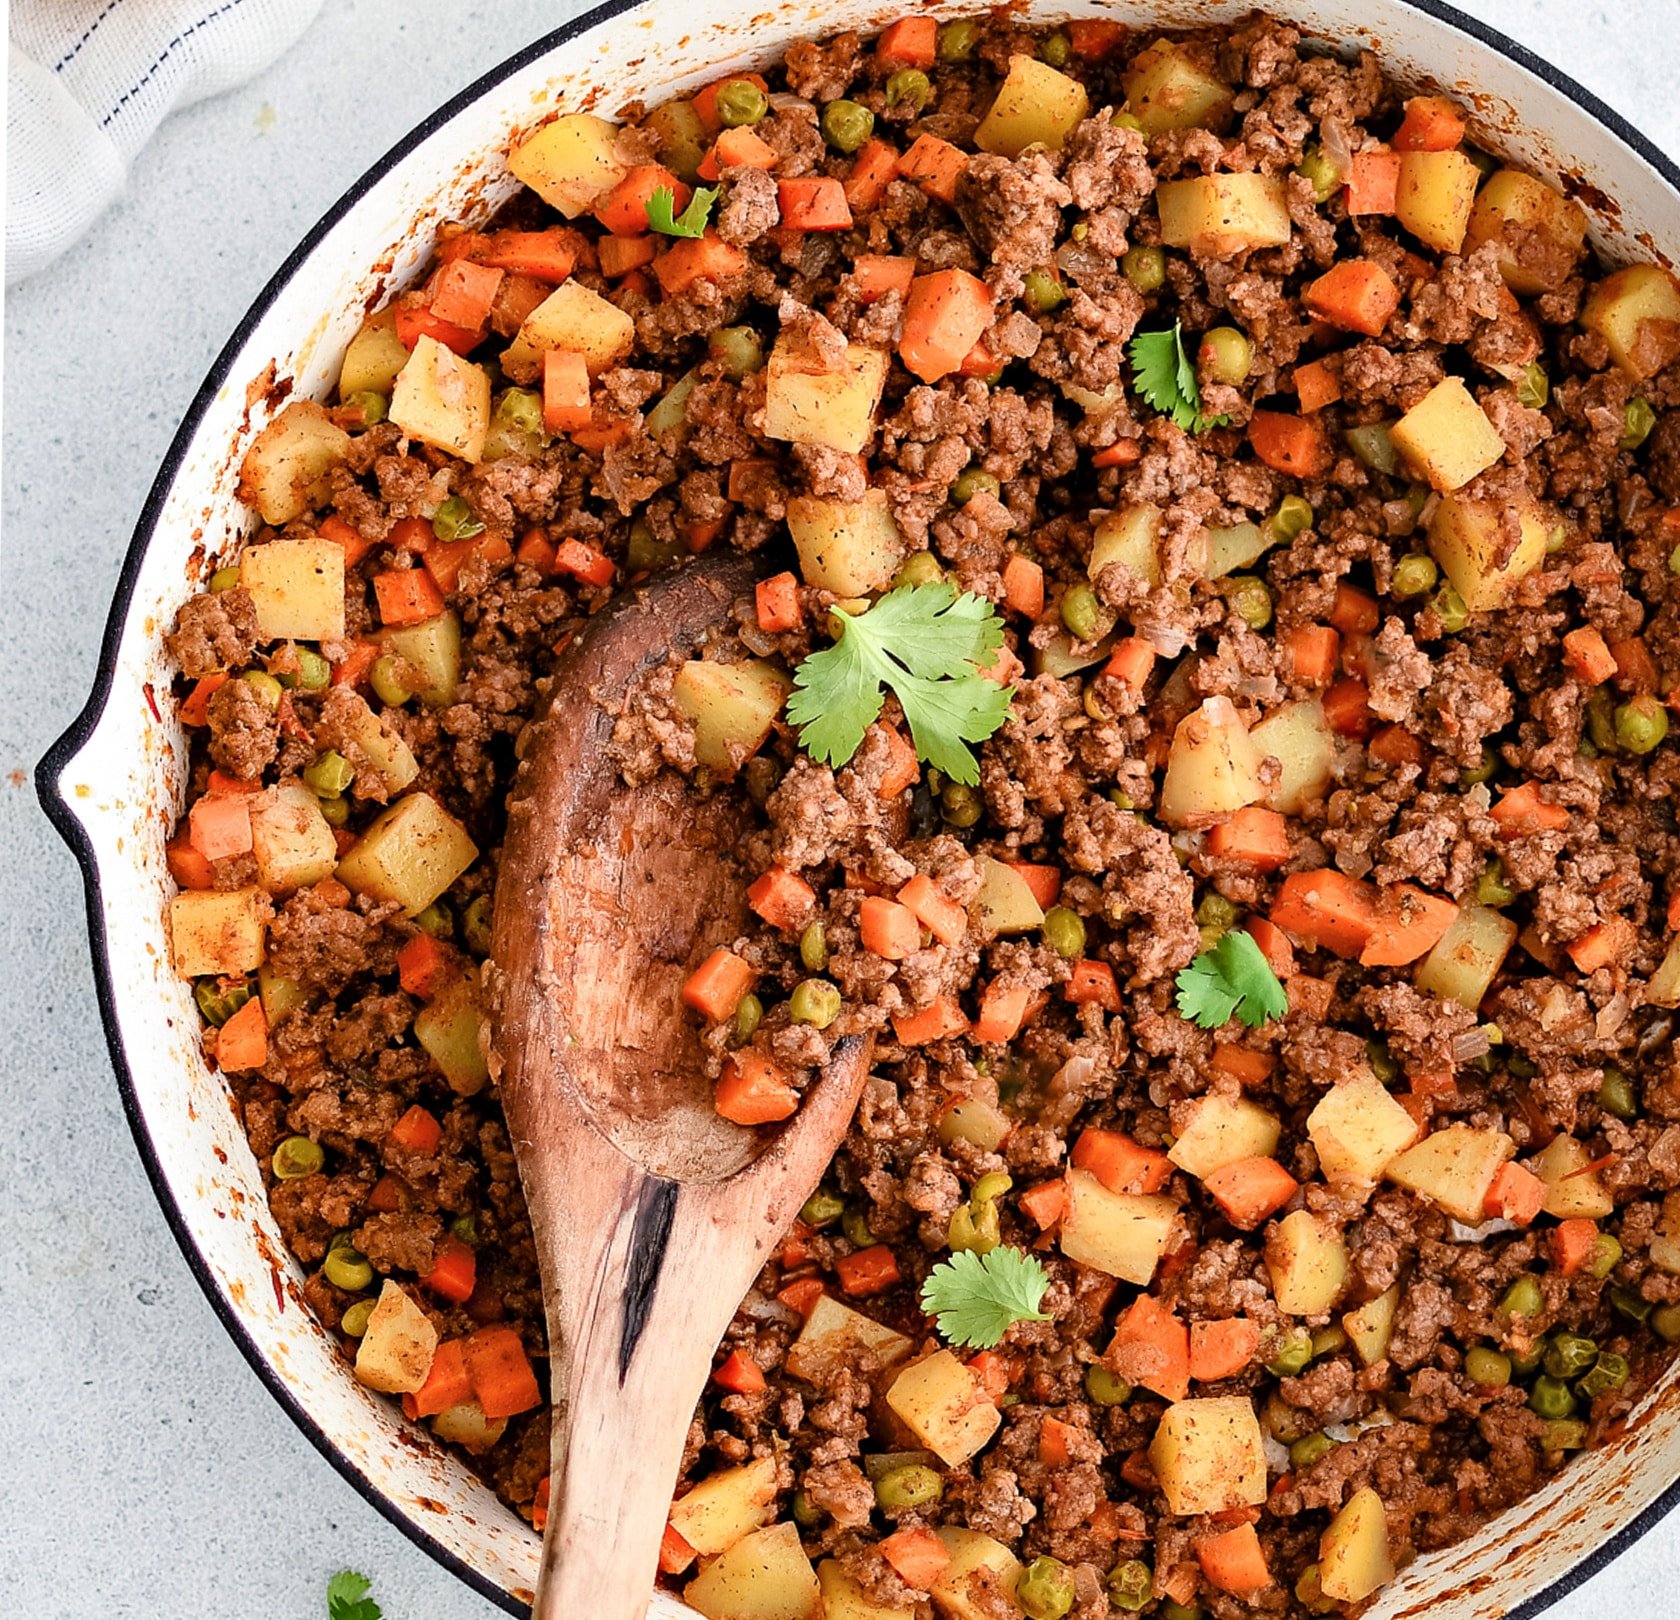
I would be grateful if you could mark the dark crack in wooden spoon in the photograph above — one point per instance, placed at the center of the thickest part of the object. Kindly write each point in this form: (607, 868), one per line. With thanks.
(652, 1214)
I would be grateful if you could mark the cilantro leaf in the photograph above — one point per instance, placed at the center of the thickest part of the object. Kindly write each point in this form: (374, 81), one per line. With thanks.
(1164, 375)
(692, 220)
(929, 645)
(1234, 977)
(977, 1298)
(347, 1598)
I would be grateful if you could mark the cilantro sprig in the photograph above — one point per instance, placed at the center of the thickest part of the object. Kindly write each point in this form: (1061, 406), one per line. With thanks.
(1233, 978)
(691, 221)
(929, 645)
(976, 1298)
(347, 1598)
(1164, 375)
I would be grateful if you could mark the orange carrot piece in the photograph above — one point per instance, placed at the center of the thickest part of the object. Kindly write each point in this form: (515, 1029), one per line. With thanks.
(1122, 453)
(877, 274)
(444, 563)
(1311, 650)
(406, 596)
(464, 292)
(1354, 612)
(675, 1554)
(813, 203)
(1046, 1203)
(1023, 586)
(740, 1373)
(873, 170)
(356, 545)
(1347, 707)
(547, 255)
(1151, 1347)
(501, 1375)
(447, 1384)
(934, 909)
(782, 898)
(1316, 385)
(935, 166)
(888, 929)
(220, 826)
(934, 1022)
(1407, 925)
(752, 1090)
(1054, 1437)
(778, 603)
(1589, 659)
(1131, 662)
(917, 1555)
(1431, 124)
(1274, 945)
(911, 42)
(993, 1371)
(1515, 1194)
(189, 869)
(1045, 882)
(1357, 295)
(424, 966)
(705, 258)
(454, 1272)
(802, 1294)
(619, 255)
(242, 1042)
(1246, 1066)
(902, 770)
(1093, 37)
(1222, 1349)
(943, 318)
(1326, 908)
(714, 989)
(1250, 1190)
(869, 1271)
(415, 321)
(1373, 185)
(1635, 669)
(1521, 812)
(1003, 1010)
(221, 782)
(738, 148)
(583, 562)
(1119, 1163)
(1394, 746)
(1295, 445)
(195, 707)
(1090, 980)
(1234, 1561)
(624, 209)
(1603, 945)
(565, 391)
(418, 1131)
(705, 100)
(1255, 836)
(1570, 1243)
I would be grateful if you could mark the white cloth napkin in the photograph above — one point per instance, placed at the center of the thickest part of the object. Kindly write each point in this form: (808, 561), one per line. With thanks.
(90, 80)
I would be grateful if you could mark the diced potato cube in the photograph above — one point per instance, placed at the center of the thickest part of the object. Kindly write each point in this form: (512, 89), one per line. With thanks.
(835, 1335)
(1219, 215)
(764, 1576)
(1239, 546)
(806, 403)
(290, 839)
(1572, 1190)
(844, 1599)
(980, 1581)
(1454, 1167)
(1213, 767)
(1663, 989)
(1058, 658)
(283, 474)
(1372, 1325)
(1353, 1555)
(1637, 312)
(683, 142)
(434, 649)
(849, 547)
(443, 400)
(1209, 1455)
(576, 318)
(1005, 904)
(725, 1506)
(1035, 106)
(1446, 436)
(1128, 537)
(379, 752)
(1467, 538)
(396, 1351)
(1665, 1241)
(732, 706)
(1465, 958)
(1222, 1130)
(297, 588)
(1307, 1262)
(1298, 736)
(1541, 233)
(217, 931)
(410, 855)
(449, 1027)
(1123, 1234)
(467, 1426)
(943, 1404)
(1435, 195)
(1167, 89)
(375, 356)
(1357, 1128)
(570, 161)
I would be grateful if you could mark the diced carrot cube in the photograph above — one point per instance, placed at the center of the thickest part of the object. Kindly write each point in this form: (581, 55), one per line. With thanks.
(1119, 1163)
(1234, 1561)
(1636, 671)
(942, 1017)
(1221, 1349)
(902, 770)
(738, 148)
(1246, 1066)
(1516, 1194)
(583, 562)
(501, 1373)
(1357, 295)
(242, 1042)
(1395, 746)
(356, 545)
(692, 259)
(1044, 882)
(888, 929)
(624, 211)
(424, 966)
(944, 317)
(1151, 1347)
(1255, 836)
(1003, 1009)
(1327, 908)
(1431, 124)
(1311, 651)
(911, 42)
(873, 170)
(1347, 708)
(1373, 185)
(869, 1271)
(877, 274)
(814, 203)
(1046, 1203)
(1571, 1243)
(752, 1090)
(1250, 1190)
(1589, 659)
(934, 909)
(782, 898)
(1093, 37)
(464, 292)
(406, 596)
(218, 827)
(1023, 586)
(565, 388)
(619, 255)
(1603, 945)
(1316, 385)
(1354, 612)
(447, 1384)
(917, 1556)
(1295, 445)
(1094, 981)
(675, 1554)
(740, 1373)
(418, 1131)
(935, 166)
(715, 988)
(547, 255)
(1406, 924)
(802, 1294)
(1521, 812)
(778, 603)
(454, 1272)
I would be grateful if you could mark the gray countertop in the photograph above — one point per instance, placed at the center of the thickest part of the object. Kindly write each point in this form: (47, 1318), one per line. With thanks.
(149, 1473)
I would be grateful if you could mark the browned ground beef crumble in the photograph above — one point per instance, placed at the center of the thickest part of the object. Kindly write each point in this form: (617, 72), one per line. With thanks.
(1462, 708)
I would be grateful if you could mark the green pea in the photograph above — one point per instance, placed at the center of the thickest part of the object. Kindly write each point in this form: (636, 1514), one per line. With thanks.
(1534, 387)
(219, 1001)
(475, 926)
(1450, 609)
(1309, 1592)
(1525, 1363)
(1563, 1434)
(1616, 1094)
(1249, 595)
(348, 1269)
(957, 39)
(749, 1014)
(370, 408)
(335, 812)
(806, 1514)
(1082, 613)
(1283, 1422)
(1374, 445)
(225, 579)
(1290, 1354)
(1311, 1448)
(971, 481)
(1320, 172)
(1326, 1341)
(436, 919)
(1226, 355)
(1144, 267)
(521, 409)
(1179, 1611)
(914, 1485)
(741, 102)
(960, 805)
(920, 567)
(1491, 887)
(1569, 1354)
(738, 349)
(1215, 911)
(354, 1322)
(909, 87)
(1131, 1585)
(1064, 932)
(1641, 723)
(846, 125)
(1487, 1367)
(1523, 1298)
(815, 1002)
(813, 947)
(456, 520)
(1293, 518)
(464, 1228)
(854, 1225)
(822, 1208)
(993, 1185)
(974, 1228)
(1520, 1068)
(1608, 1373)
(1104, 1387)
(1637, 421)
(268, 689)
(1551, 1398)
(1601, 720)
(1128, 120)
(1043, 292)
(297, 1156)
(314, 672)
(645, 551)
(1056, 49)
(1629, 1304)
(386, 681)
(1673, 563)
(1384, 1065)
(1665, 1319)
(1415, 575)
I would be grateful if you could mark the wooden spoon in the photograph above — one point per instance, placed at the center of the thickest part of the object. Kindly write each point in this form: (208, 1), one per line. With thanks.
(651, 1213)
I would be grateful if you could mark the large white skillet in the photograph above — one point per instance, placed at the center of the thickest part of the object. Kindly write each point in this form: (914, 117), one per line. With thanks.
(113, 783)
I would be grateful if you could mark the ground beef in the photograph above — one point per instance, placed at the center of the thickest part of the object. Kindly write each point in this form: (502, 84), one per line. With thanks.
(216, 631)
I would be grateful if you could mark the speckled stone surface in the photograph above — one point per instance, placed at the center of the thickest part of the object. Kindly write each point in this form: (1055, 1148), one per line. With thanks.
(148, 1472)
